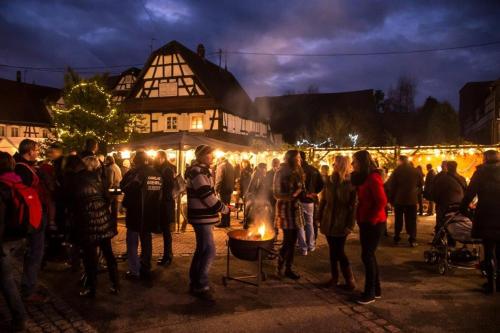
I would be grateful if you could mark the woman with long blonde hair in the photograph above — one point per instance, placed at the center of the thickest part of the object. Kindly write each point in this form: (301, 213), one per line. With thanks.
(337, 210)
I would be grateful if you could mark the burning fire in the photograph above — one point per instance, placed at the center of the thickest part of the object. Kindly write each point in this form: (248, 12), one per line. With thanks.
(260, 231)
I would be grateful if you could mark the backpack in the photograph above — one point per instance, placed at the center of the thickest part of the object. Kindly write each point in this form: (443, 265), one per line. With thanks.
(26, 214)
(179, 186)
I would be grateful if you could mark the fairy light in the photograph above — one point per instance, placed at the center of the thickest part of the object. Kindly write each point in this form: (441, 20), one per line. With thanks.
(304, 142)
(125, 154)
(113, 112)
(219, 153)
(354, 139)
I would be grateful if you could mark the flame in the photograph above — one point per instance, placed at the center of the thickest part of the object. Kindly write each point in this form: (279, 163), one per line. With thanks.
(262, 230)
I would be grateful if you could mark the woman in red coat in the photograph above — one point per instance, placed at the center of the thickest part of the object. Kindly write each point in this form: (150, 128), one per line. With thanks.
(371, 218)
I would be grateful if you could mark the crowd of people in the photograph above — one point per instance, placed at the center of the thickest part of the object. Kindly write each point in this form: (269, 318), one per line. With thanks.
(75, 199)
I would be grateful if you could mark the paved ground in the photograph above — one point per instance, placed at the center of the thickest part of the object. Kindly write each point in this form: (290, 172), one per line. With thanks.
(415, 297)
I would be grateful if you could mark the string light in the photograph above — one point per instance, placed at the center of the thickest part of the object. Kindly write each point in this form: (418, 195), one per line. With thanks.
(304, 142)
(113, 113)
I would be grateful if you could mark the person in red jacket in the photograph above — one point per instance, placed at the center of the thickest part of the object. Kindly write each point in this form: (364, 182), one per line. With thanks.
(371, 218)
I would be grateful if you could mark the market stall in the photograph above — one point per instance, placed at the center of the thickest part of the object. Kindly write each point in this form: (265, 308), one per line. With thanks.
(468, 157)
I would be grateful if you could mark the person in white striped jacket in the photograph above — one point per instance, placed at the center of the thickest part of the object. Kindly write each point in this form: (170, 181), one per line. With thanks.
(203, 212)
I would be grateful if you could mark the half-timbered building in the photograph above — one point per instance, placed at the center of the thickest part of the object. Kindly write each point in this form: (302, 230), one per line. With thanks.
(120, 85)
(24, 112)
(180, 90)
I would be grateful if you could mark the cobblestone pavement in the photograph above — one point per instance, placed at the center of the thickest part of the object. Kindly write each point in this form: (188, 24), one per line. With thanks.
(415, 297)
(53, 316)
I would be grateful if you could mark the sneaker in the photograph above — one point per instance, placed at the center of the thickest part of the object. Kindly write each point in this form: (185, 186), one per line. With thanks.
(413, 244)
(312, 250)
(164, 261)
(36, 298)
(396, 240)
(204, 293)
(131, 276)
(364, 300)
(303, 253)
(89, 293)
(292, 275)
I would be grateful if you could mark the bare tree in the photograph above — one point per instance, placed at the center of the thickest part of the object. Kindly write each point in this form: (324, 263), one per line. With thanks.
(402, 98)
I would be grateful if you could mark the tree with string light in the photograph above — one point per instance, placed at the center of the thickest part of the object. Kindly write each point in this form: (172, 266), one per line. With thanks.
(88, 110)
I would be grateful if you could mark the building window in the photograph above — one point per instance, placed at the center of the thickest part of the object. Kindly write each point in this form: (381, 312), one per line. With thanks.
(14, 132)
(171, 123)
(45, 133)
(197, 122)
(2, 130)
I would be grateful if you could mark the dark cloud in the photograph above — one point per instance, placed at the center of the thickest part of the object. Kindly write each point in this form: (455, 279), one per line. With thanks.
(104, 33)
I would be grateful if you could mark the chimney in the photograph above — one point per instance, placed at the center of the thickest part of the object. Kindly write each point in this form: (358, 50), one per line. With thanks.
(18, 76)
(201, 50)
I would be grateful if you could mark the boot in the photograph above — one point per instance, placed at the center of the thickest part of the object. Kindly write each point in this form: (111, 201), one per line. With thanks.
(334, 280)
(350, 283)
(281, 266)
(115, 282)
(490, 285)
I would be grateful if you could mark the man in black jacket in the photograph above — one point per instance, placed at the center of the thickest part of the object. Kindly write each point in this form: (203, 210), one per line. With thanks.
(26, 169)
(403, 187)
(485, 183)
(167, 171)
(142, 187)
(313, 185)
(429, 181)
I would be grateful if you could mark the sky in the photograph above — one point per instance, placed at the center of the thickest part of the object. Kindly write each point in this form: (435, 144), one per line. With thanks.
(89, 33)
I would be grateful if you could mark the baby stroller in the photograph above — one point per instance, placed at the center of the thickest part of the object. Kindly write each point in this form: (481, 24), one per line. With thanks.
(456, 228)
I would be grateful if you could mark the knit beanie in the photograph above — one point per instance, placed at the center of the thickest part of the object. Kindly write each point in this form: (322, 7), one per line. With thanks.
(202, 150)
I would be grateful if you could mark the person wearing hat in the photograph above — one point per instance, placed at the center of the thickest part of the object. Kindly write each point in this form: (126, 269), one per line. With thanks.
(203, 212)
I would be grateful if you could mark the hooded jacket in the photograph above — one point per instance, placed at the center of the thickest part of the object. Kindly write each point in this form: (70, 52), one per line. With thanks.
(485, 183)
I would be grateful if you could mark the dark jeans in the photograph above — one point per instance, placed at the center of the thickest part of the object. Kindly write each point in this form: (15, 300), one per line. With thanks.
(408, 214)
(90, 261)
(9, 288)
(420, 198)
(288, 247)
(203, 256)
(167, 243)
(142, 266)
(440, 216)
(337, 253)
(226, 218)
(35, 247)
(491, 255)
(369, 236)
(430, 207)
(114, 208)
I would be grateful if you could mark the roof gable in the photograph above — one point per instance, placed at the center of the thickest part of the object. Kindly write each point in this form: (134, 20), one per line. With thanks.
(26, 103)
(213, 81)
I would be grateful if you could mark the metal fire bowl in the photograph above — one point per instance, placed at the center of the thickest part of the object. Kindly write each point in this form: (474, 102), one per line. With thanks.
(245, 249)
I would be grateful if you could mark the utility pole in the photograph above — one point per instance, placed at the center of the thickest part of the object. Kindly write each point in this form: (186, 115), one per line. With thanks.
(220, 58)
